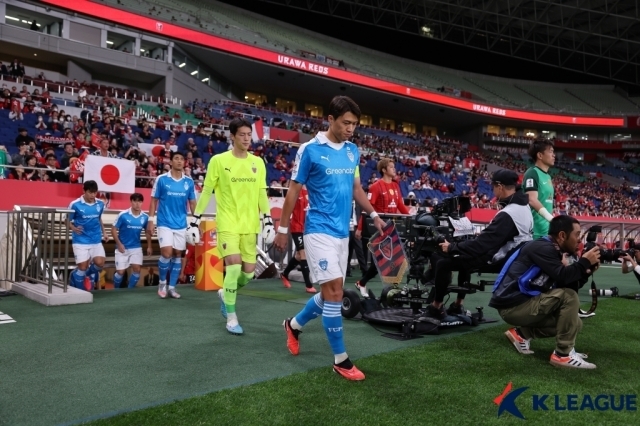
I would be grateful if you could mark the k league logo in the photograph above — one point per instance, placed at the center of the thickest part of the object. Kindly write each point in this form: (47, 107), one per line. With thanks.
(323, 264)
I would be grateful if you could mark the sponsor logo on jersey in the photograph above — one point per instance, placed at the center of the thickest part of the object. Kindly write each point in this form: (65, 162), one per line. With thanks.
(340, 171)
(241, 180)
(176, 194)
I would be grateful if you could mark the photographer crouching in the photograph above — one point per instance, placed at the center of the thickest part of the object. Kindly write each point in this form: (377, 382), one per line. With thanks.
(630, 262)
(538, 293)
(511, 227)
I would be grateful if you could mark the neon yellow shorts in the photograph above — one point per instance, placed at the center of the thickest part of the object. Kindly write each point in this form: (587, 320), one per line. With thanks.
(230, 243)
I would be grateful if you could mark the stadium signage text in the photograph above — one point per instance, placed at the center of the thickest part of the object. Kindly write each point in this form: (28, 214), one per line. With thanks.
(489, 110)
(167, 29)
(303, 65)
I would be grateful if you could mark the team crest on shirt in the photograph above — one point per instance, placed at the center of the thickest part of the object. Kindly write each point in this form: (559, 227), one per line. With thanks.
(323, 264)
(253, 167)
(224, 246)
(186, 186)
(350, 155)
(391, 192)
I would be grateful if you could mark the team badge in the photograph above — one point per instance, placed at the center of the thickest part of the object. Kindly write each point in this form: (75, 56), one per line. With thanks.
(350, 155)
(323, 264)
(186, 186)
(386, 248)
(391, 192)
(253, 167)
(224, 246)
(159, 26)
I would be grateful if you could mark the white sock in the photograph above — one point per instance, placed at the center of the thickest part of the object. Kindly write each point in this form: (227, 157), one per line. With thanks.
(295, 325)
(232, 319)
(340, 357)
(172, 287)
(162, 285)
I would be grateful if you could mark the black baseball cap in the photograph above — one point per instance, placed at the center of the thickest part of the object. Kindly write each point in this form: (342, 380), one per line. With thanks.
(505, 177)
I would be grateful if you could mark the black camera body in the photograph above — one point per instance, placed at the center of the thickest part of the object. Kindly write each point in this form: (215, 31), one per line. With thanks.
(607, 255)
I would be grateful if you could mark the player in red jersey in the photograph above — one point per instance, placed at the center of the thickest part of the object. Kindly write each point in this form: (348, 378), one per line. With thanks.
(385, 197)
(296, 226)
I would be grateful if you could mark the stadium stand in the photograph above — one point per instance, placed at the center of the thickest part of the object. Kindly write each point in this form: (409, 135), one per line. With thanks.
(240, 25)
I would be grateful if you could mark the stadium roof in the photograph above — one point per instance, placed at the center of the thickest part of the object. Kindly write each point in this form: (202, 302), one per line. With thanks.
(593, 37)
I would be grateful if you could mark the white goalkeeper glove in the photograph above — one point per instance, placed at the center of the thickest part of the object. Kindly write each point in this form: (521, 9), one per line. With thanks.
(268, 230)
(193, 231)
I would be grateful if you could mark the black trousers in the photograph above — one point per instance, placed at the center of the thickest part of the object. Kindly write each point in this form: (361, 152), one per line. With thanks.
(442, 267)
(356, 245)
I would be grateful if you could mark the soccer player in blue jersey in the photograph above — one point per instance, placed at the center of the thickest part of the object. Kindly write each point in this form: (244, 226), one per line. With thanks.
(126, 233)
(328, 166)
(87, 234)
(171, 193)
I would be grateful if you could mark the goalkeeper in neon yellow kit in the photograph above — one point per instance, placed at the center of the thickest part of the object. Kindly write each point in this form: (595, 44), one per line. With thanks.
(239, 180)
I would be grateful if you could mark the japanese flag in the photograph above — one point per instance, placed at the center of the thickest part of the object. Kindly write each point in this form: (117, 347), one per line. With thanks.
(257, 131)
(111, 174)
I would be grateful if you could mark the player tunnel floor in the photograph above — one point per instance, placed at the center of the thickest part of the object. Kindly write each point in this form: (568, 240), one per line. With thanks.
(130, 350)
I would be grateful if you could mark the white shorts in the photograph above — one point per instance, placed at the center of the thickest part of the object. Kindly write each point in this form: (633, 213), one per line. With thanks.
(129, 257)
(176, 238)
(84, 252)
(327, 257)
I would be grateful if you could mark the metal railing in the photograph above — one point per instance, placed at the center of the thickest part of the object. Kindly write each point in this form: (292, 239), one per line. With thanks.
(37, 247)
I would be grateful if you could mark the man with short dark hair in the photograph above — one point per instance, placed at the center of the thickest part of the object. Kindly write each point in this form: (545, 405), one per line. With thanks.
(68, 153)
(538, 185)
(23, 137)
(126, 232)
(171, 193)
(87, 234)
(328, 166)
(239, 180)
(538, 294)
(54, 175)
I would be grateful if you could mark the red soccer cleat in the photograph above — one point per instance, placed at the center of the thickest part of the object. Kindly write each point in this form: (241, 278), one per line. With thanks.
(292, 337)
(349, 373)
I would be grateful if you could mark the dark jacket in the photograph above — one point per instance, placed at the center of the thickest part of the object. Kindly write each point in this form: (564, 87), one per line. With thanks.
(511, 227)
(546, 255)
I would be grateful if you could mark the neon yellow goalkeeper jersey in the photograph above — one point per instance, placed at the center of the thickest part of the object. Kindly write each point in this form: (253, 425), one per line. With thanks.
(240, 186)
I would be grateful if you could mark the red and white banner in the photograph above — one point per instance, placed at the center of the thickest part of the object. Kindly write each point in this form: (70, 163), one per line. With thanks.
(154, 149)
(111, 174)
(257, 131)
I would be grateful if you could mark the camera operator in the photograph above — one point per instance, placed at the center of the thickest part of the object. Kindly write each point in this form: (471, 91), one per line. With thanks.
(538, 293)
(630, 264)
(510, 228)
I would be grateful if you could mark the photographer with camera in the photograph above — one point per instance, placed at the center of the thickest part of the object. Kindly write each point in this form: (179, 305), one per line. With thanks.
(538, 293)
(511, 227)
(630, 262)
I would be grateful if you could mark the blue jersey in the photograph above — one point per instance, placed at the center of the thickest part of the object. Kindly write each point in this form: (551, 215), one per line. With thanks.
(328, 170)
(129, 228)
(88, 216)
(172, 198)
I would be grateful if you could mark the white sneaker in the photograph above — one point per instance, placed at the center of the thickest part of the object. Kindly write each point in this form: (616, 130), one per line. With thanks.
(573, 360)
(162, 291)
(522, 345)
(363, 289)
(581, 355)
(173, 293)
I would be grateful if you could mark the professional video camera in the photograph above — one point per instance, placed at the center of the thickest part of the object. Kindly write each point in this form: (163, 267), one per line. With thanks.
(607, 255)
(428, 230)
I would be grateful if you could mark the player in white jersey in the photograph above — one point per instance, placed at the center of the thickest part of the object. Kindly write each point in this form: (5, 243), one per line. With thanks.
(126, 232)
(87, 235)
(328, 166)
(171, 193)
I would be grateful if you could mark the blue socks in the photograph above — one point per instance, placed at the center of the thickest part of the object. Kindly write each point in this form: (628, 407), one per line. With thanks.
(117, 280)
(77, 278)
(332, 323)
(164, 264)
(133, 280)
(176, 265)
(311, 310)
